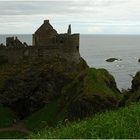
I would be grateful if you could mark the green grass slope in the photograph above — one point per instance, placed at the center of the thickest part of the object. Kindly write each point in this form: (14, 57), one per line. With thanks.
(6, 117)
(6, 122)
(46, 116)
(92, 91)
(123, 123)
(93, 81)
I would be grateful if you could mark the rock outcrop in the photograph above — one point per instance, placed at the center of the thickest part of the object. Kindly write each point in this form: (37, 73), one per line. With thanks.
(94, 90)
(76, 89)
(89, 92)
(30, 89)
(113, 59)
(133, 94)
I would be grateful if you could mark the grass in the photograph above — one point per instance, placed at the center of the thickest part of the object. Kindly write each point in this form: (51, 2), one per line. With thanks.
(6, 117)
(123, 123)
(93, 81)
(12, 135)
(92, 91)
(43, 117)
(97, 80)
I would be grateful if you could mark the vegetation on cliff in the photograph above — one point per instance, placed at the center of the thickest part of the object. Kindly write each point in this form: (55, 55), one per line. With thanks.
(92, 91)
(45, 93)
(27, 87)
(12, 135)
(6, 117)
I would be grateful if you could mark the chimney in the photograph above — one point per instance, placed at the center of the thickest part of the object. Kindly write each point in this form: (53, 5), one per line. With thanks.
(46, 21)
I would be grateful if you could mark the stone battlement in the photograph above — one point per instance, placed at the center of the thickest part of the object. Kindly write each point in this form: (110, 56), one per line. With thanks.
(47, 43)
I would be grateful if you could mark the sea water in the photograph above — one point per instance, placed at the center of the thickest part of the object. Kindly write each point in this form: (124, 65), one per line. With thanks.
(95, 49)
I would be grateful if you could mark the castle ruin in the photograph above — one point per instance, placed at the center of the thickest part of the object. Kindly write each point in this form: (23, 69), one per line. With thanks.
(46, 44)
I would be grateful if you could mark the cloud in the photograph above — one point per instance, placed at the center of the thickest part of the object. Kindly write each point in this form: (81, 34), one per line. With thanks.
(86, 16)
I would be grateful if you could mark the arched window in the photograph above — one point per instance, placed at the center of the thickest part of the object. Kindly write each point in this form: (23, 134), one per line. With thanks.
(61, 41)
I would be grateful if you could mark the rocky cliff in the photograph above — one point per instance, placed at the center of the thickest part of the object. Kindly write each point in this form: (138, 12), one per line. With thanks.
(57, 90)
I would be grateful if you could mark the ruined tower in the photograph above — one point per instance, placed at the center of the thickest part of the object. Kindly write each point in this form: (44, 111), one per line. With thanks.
(51, 44)
(47, 44)
(69, 30)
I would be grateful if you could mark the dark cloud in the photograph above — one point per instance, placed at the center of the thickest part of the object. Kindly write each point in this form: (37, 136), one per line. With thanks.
(85, 15)
(38, 7)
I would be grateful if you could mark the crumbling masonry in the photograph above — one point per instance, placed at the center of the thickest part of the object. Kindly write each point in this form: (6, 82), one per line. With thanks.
(47, 43)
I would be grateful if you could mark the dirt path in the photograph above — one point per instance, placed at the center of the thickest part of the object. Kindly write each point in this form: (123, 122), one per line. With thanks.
(16, 127)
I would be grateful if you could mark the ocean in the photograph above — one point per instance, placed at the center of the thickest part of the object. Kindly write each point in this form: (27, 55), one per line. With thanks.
(95, 49)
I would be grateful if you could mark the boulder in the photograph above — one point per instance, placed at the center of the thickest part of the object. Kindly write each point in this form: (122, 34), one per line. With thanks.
(113, 59)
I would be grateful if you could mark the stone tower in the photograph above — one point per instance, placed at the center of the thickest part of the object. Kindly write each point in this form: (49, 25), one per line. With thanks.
(50, 44)
(44, 34)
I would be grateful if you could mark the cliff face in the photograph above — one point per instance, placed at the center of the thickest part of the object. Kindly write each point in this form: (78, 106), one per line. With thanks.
(92, 91)
(136, 82)
(132, 95)
(79, 91)
(26, 87)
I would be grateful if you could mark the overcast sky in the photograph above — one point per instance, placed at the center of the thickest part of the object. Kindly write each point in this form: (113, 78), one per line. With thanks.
(86, 16)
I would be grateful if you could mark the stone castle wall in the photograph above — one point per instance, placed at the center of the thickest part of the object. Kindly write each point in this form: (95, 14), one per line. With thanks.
(16, 54)
(46, 45)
